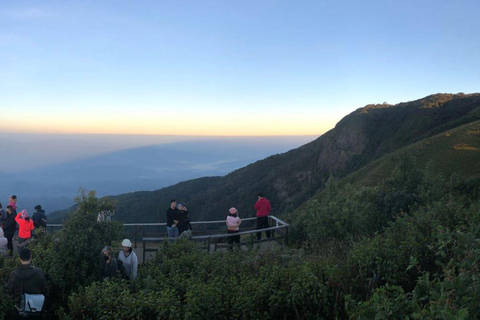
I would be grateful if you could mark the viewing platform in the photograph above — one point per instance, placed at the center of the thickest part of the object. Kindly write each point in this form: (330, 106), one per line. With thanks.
(211, 236)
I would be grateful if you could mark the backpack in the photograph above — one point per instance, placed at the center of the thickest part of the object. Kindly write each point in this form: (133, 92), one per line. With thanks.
(30, 304)
(122, 270)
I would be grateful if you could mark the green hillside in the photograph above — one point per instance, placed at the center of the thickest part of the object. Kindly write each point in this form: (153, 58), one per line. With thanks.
(291, 178)
(453, 151)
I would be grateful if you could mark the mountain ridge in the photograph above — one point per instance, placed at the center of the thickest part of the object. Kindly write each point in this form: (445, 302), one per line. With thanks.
(290, 178)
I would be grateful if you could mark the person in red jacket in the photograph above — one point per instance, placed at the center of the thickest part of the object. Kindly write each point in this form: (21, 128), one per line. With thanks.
(25, 226)
(263, 208)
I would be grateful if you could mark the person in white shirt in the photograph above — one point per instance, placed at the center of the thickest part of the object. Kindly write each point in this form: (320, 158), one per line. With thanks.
(129, 260)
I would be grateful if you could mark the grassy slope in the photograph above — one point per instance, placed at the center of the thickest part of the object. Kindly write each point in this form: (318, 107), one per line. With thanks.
(453, 151)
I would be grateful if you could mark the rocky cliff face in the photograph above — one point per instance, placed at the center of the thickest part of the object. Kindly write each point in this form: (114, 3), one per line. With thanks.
(342, 144)
(367, 134)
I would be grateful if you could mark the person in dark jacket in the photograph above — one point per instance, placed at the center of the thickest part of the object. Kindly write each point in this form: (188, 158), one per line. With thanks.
(9, 228)
(172, 220)
(183, 219)
(263, 208)
(110, 265)
(26, 278)
(39, 217)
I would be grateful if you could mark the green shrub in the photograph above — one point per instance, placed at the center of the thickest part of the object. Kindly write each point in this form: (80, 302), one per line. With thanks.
(115, 300)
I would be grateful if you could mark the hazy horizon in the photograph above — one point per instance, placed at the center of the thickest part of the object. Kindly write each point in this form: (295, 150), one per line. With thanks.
(26, 151)
(49, 169)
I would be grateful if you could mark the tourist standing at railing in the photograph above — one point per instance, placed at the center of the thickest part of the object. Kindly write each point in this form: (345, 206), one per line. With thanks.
(39, 217)
(263, 208)
(233, 226)
(172, 220)
(101, 216)
(25, 226)
(9, 228)
(129, 260)
(183, 219)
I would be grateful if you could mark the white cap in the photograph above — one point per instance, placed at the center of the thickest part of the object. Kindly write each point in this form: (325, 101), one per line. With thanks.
(126, 243)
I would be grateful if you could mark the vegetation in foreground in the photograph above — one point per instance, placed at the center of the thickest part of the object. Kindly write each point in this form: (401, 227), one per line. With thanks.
(405, 248)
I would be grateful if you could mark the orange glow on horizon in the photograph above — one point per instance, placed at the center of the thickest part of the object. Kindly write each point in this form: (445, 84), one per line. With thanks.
(173, 124)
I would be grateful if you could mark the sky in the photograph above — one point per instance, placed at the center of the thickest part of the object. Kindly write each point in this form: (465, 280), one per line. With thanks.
(225, 68)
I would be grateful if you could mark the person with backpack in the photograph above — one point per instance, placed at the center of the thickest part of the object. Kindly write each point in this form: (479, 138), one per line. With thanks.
(9, 228)
(25, 227)
(26, 279)
(233, 223)
(128, 261)
(109, 265)
(39, 217)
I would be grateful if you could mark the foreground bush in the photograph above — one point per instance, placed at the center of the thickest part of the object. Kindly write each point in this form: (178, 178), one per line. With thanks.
(420, 260)
(115, 300)
(187, 283)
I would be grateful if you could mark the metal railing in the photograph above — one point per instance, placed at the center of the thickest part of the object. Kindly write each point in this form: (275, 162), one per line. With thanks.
(216, 239)
(211, 239)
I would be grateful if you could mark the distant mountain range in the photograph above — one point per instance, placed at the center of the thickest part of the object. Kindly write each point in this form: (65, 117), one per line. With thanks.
(143, 168)
(291, 178)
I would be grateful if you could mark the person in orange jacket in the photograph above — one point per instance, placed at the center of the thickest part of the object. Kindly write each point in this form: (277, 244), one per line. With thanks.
(25, 226)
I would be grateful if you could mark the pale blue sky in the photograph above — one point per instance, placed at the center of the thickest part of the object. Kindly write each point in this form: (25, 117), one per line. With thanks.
(225, 67)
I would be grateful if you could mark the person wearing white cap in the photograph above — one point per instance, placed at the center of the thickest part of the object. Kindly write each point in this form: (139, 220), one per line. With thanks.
(129, 259)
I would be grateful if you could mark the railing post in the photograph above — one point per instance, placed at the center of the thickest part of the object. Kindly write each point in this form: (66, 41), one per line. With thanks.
(135, 236)
(286, 236)
(208, 245)
(143, 240)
